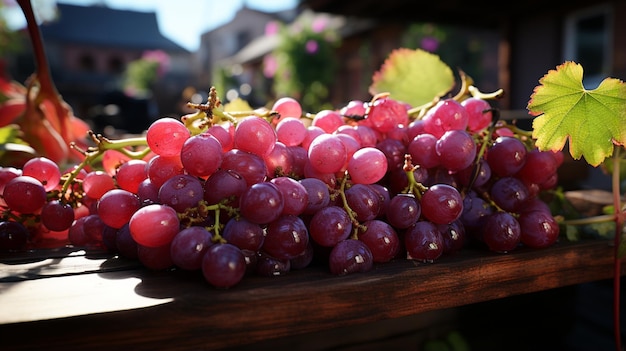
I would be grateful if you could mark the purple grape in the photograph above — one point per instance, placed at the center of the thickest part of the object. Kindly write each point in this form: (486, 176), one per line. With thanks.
(250, 166)
(423, 242)
(403, 211)
(269, 266)
(188, 247)
(441, 204)
(502, 232)
(126, 245)
(538, 228)
(224, 185)
(287, 237)
(181, 192)
(364, 201)
(244, 234)
(223, 265)
(350, 256)
(261, 203)
(13, 236)
(381, 239)
(329, 226)
(318, 195)
(506, 156)
(456, 150)
(295, 195)
(509, 194)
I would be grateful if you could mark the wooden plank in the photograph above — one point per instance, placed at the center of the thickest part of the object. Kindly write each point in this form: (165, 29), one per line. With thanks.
(142, 309)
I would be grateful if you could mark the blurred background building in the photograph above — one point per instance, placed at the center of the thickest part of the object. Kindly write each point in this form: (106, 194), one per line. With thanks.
(90, 50)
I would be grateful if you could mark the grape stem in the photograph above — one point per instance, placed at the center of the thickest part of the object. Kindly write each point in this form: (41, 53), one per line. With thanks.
(413, 187)
(103, 144)
(355, 222)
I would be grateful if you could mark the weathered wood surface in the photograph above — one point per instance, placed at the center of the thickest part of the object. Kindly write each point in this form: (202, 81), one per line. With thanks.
(86, 301)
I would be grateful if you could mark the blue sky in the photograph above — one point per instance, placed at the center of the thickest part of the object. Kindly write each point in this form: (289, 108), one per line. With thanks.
(180, 20)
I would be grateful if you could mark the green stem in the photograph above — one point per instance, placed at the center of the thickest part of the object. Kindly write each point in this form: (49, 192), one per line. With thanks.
(617, 208)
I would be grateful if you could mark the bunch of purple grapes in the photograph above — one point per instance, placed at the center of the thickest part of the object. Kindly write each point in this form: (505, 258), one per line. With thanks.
(348, 188)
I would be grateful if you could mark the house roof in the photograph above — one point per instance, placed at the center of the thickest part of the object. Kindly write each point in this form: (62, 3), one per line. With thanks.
(99, 25)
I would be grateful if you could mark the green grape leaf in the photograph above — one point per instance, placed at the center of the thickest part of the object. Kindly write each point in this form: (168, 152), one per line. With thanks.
(593, 121)
(415, 77)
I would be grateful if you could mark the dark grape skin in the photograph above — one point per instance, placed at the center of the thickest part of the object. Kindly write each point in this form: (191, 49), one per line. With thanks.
(244, 234)
(188, 247)
(381, 239)
(223, 265)
(350, 256)
(502, 232)
(423, 242)
(56, 215)
(509, 193)
(286, 238)
(539, 229)
(13, 236)
(269, 266)
(364, 201)
(403, 211)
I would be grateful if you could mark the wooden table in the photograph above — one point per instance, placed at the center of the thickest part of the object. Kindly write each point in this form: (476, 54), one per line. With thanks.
(71, 299)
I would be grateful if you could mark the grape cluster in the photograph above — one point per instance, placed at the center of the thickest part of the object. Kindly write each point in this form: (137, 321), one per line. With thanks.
(361, 185)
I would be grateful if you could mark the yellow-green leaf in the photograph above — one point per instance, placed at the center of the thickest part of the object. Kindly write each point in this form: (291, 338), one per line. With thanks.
(593, 121)
(416, 77)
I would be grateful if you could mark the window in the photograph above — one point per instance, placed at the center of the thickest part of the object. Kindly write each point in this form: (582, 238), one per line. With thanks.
(588, 38)
(87, 63)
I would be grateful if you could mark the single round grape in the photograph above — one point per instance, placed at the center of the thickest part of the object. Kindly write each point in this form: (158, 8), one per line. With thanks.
(126, 245)
(475, 211)
(291, 131)
(243, 234)
(250, 166)
(154, 225)
(130, 174)
(162, 168)
(270, 266)
(327, 153)
(318, 194)
(368, 165)
(381, 239)
(479, 113)
(350, 256)
(222, 133)
(502, 232)
(201, 155)
(539, 229)
(423, 242)
(509, 193)
(117, 206)
(295, 195)
(148, 192)
(279, 161)
(223, 265)
(441, 204)
(261, 203)
(43, 169)
(287, 106)
(13, 236)
(364, 201)
(166, 136)
(255, 135)
(97, 183)
(189, 246)
(403, 211)
(57, 215)
(354, 108)
(456, 150)
(224, 185)
(446, 115)
(299, 157)
(286, 238)
(506, 156)
(76, 234)
(386, 113)
(304, 259)
(454, 236)
(329, 226)
(181, 192)
(422, 149)
(328, 120)
(93, 226)
(538, 168)
(24, 194)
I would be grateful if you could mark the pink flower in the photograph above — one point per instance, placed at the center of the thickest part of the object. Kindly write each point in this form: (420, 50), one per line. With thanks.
(269, 66)
(430, 44)
(319, 24)
(311, 46)
(271, 28)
